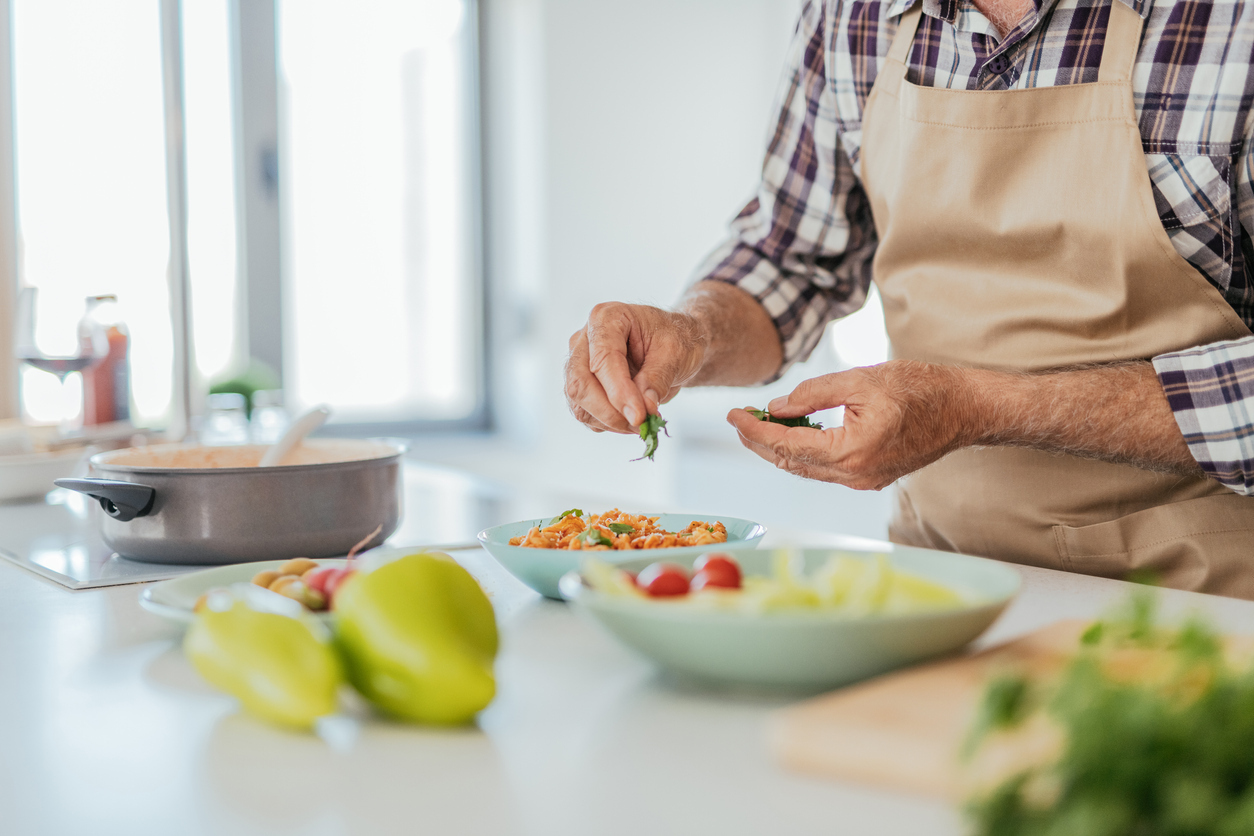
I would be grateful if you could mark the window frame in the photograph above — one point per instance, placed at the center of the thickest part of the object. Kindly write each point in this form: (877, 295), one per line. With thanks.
(260, 233)
(9, 405)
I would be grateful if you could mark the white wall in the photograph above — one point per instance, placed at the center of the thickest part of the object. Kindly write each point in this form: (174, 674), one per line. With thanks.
(620, 140)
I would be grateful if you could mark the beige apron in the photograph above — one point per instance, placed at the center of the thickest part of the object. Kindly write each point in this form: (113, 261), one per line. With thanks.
(1018, 232)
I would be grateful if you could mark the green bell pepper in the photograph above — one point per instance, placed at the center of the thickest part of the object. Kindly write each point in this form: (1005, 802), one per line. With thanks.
(418, 638)
(280, 668)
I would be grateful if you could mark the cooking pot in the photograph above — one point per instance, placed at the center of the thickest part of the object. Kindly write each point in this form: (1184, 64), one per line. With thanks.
(188, 503)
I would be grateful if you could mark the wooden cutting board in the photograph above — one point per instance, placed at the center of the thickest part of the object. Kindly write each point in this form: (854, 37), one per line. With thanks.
(904, 730)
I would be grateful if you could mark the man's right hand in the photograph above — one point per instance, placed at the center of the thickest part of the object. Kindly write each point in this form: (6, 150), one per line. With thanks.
(627, 360)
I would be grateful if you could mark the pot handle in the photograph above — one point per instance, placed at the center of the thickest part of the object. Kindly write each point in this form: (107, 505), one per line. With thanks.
(121, 500)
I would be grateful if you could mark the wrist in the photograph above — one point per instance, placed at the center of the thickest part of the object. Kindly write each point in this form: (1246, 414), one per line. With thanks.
(972, 401)
(697, 336)
(695, 322)
(735, 342)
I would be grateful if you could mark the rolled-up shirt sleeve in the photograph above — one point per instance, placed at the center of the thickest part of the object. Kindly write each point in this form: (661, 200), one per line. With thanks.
(1211, 388)
(804, 243)
(1211, 391)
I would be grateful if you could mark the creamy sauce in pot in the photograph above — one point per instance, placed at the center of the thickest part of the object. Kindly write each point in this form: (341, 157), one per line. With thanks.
(198, 457)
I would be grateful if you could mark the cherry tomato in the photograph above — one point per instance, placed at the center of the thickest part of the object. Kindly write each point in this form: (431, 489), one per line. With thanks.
(317, 579)
(663, 579)
(718, 569)
(711, 579)
(336, 581)
(328, 579)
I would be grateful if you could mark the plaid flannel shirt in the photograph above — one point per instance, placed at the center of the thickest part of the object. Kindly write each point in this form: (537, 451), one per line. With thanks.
(804, 244)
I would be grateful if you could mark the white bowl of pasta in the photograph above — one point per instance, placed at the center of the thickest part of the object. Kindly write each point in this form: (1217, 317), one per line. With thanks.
(542, 550)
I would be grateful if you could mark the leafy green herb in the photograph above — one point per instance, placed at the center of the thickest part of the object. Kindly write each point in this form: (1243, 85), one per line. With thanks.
(594, 537)
(802, 421)
(1158, 737)
(576, 511)
(622, 528)
(648, 432)
(1005, 705)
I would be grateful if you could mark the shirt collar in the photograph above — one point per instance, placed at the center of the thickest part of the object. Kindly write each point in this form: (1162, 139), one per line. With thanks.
(947, 10)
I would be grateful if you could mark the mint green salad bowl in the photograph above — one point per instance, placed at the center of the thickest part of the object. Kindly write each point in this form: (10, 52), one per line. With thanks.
(541, 569)
(802, 649)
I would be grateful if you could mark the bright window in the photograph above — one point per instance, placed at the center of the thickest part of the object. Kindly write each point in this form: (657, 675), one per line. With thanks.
(378, 155)
(382, 309)
(92, 183)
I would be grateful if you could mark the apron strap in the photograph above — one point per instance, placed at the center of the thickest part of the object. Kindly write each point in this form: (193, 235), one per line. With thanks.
(1123, 40)
(899, 51)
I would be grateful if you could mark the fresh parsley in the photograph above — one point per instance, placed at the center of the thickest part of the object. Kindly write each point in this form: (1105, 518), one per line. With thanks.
(1162, 747)
(802, 421)
(648, 432)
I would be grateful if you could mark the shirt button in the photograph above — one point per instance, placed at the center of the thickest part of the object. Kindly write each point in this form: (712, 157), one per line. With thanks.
(998, 64)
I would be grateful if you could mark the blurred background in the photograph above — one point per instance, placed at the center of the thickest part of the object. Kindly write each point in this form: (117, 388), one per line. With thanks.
(399, 208)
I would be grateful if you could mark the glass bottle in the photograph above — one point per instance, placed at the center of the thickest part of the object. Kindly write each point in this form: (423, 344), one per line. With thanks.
(106, 384)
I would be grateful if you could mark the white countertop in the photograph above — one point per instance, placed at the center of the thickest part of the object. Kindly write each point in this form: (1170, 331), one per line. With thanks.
(104, 728)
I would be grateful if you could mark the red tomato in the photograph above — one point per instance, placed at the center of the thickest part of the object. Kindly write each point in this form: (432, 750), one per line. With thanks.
(328, 579)
(663, 579)
(317, 579)
(336, 581)
(713, 578)
(720, 570)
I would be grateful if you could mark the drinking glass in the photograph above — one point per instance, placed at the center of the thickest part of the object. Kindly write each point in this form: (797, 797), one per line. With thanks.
(93, 346)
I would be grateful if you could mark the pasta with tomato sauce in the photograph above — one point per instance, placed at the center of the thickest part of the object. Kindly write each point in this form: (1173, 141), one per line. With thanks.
(616, 530)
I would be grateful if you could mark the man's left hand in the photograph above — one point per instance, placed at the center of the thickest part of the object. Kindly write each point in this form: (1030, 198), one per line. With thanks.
(899, 416)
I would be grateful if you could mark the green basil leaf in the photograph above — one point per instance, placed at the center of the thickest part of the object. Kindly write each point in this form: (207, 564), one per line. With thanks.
(594, 537)
(576, 511)
(648, 432)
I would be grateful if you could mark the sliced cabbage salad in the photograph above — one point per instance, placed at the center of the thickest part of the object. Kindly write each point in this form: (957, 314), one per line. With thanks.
(843, 584)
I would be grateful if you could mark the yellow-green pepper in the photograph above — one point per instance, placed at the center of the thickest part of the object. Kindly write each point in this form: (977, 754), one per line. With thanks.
(418, 638)
(281, 669)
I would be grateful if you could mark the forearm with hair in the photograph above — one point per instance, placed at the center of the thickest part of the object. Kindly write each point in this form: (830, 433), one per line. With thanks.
(741, 343)
(1115, 413)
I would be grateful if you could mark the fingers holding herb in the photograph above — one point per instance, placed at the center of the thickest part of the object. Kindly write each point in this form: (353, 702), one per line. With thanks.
(627, 360)
(585, 396)
(899, 416)
(615, 340)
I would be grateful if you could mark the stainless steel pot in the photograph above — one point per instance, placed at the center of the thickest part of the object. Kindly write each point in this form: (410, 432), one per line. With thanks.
(177, 503)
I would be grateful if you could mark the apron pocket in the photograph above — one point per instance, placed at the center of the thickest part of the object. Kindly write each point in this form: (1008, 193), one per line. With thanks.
(1204, 544)
(1193, 196)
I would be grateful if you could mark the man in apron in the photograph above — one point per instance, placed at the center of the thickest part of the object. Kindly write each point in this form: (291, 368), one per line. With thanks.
(1052, 211)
